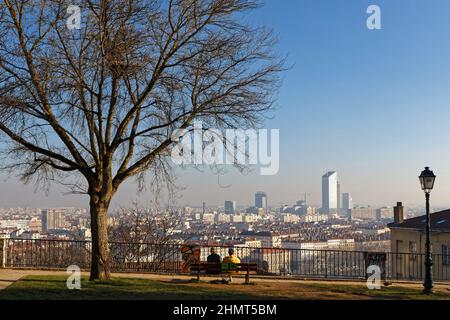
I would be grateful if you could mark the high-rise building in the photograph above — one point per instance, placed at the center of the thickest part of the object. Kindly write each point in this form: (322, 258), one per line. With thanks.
(230, 207)
(338, 198)
(347, 204)
(261, 200)
(330, 193)
(52, 219)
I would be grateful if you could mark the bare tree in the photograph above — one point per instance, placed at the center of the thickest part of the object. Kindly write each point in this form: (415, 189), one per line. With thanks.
(145, 235)
(90, 108)
(145, 224)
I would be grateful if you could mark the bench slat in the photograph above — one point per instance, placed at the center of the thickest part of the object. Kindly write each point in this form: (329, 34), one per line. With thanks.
(215, 268)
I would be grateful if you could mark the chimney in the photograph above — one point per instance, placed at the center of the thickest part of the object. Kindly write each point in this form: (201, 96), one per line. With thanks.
(398, 213)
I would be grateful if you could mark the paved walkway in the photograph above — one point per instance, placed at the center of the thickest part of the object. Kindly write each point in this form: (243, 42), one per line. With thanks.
(9, 276)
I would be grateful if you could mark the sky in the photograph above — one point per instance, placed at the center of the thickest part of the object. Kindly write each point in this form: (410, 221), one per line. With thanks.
(373, 105)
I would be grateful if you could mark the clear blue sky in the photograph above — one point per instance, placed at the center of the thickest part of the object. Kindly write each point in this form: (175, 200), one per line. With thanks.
(372, 104)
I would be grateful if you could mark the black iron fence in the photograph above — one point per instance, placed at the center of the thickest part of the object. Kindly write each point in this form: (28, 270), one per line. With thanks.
(168, 258)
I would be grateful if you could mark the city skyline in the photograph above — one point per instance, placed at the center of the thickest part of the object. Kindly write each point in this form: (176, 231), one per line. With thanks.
(40, 199)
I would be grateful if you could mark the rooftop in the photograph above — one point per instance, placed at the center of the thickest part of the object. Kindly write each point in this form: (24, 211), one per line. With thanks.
(329, 174)
(440, 221)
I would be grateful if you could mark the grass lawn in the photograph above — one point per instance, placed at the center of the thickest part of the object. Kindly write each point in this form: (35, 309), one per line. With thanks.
(54, 288)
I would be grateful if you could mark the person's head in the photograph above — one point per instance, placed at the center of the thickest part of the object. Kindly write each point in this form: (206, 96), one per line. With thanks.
(212, 250)
(231, 251)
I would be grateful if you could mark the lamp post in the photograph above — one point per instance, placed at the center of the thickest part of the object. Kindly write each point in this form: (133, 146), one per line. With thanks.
(427, 179)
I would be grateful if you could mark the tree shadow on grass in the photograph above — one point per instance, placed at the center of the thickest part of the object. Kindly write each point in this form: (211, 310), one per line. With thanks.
(54, 288)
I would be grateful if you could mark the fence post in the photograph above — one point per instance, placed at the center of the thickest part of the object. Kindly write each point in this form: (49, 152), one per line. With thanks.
(326, 265)
(198, 271)
(247, 276)
(3, 253)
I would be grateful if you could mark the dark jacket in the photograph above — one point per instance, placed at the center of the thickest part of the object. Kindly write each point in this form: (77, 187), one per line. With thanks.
(213, 258)
(216, 268)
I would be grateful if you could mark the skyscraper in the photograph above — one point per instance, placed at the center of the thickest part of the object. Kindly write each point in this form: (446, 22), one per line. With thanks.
(230, 207)
(52, 219)
(347, 204)
(339, 203)
(261, 200)
(330, 193)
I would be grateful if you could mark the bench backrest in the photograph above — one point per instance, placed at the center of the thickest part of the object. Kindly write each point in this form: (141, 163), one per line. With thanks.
(239, 267)
(224, 267)
(229, 267)
(208, 267)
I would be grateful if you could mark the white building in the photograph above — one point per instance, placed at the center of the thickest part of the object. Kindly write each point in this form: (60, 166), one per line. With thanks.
(250, 243)
(222, 218)
(330, 192)
(208, 218)
(250, 218)
(237, 218)
(20, 224)
(363, 213)
(290, 218)
(314, 218)
(385, 213)
(268, 239)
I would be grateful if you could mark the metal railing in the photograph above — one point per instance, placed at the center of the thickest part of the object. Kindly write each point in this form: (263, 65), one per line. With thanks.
(167, 258)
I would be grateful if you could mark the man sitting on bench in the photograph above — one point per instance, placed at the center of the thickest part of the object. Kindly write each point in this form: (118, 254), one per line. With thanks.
(231, 259)
(213, 258)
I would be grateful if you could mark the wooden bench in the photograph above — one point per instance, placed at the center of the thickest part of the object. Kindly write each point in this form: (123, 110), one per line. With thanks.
(224, 268)
(210, 268)
(240, 268)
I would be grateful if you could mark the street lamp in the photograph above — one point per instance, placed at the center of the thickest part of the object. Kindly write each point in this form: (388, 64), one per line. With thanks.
(427, 179)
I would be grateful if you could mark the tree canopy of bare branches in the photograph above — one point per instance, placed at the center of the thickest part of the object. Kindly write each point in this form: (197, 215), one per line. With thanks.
(144, 232)
(145, 224)
(98, 105)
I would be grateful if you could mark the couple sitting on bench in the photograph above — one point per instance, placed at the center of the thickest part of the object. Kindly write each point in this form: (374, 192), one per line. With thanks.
(231, 265)
(227, 265)
(215, 258)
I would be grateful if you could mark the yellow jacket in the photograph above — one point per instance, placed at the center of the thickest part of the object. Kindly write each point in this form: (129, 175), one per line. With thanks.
(231, 259)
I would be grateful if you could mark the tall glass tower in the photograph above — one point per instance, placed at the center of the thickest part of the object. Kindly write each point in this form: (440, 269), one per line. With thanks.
(330, 195)
(261, 200)
(230, 207)
(347, 204)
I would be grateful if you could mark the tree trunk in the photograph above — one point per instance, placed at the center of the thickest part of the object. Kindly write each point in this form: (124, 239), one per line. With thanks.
(100, 251)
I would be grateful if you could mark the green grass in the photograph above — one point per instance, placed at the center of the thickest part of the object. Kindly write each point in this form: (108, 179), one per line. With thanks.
(54, 288)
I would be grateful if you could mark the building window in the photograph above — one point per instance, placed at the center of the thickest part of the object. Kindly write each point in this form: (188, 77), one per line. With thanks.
(398, 246)
(412, 250)
(445, 255)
